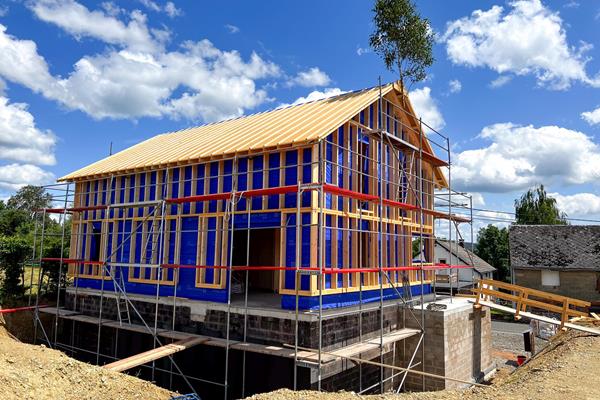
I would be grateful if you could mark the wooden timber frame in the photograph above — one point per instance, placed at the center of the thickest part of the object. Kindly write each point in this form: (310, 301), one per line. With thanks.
(369, 187)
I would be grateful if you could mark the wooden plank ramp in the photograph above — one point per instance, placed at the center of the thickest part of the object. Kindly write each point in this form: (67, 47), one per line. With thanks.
(374, 344)
(154, 354)
(537, 317)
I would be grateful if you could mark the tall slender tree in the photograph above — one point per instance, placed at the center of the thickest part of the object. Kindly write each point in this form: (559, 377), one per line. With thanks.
(402, 38)
(535, 207)
(492, 246)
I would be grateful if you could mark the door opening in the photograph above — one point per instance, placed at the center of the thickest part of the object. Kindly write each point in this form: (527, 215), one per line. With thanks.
(263, 252)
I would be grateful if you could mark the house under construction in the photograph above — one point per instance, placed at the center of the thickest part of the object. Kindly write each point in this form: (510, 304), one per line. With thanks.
(278, 249)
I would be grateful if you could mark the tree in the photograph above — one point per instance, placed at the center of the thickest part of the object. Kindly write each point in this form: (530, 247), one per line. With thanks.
(492, 246)
(402, 38)
(13, 251)
(417, 248)
(13, 222)
(30, 198)
(535, 207)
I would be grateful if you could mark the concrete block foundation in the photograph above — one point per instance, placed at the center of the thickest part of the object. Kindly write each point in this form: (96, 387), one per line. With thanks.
(457, 341)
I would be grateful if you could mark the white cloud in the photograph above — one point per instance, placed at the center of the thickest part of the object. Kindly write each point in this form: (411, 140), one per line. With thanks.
(310, 78)
(111, 8)
(527, 39)
(232, 28)
(21, 63)
(478, 199)
(500, 81)
(571, 4)
(77, 20)
(214, 84)
(171, 10)
(454, 86)
(15, 176)
(426, 108)
(579, 204)
(135, 76)
(151, 5)
(20, 139)
(362, 50)
(315, 95)
(521, 156)
(592, 117)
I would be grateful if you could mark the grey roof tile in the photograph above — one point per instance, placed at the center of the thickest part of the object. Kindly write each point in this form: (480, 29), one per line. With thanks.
(557, 247)
(465, 256)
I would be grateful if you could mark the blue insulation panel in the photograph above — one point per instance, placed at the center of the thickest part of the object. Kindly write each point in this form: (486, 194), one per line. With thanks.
(329, 168)
(211, 238)
(217, 295)
(328, 244)
(340, 165)
(187, 188)
(288, 302)
(339, 235)
(213, 185)
(189, 247)
(291, 176)
(274, 172)
(290, 250)
(200, 186)
(174, 188)
(242, 182)
(257, 181)
(306, 175)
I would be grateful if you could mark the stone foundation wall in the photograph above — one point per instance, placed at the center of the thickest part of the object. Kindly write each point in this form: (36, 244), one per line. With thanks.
(337, 332)
(457, 345)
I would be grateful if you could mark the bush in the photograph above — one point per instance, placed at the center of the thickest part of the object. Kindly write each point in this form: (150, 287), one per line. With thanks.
(13, 251)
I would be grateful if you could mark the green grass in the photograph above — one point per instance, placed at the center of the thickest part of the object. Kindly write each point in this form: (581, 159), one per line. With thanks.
(27, 282)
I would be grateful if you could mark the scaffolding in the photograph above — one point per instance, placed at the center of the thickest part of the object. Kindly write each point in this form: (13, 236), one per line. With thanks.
(399, 189)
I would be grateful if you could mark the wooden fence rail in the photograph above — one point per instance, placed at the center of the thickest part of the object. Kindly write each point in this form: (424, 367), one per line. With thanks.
(525, 297)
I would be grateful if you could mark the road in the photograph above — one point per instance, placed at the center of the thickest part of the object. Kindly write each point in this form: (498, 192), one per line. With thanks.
(509, 327)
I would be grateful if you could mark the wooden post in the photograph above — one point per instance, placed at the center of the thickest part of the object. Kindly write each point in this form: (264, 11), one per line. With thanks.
(565, 314)
(478, 294)
(520, 304)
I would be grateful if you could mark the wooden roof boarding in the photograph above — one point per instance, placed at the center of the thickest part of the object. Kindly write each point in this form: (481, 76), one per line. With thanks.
(288, 126)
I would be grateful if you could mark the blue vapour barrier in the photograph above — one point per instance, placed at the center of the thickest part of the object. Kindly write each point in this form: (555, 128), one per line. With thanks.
(288, 302)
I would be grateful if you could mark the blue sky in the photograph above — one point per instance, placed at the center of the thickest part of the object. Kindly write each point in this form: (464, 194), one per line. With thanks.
(515, 85)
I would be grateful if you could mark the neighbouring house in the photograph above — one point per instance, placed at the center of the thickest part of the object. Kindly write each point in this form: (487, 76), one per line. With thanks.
(562, 259)
(455, 253)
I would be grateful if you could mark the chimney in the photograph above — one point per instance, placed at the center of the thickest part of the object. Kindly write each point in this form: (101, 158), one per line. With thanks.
(461, 242)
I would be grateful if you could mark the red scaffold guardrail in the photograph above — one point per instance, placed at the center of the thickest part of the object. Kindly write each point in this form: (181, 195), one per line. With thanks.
(326, 271)
(17, 309)
(328, 188)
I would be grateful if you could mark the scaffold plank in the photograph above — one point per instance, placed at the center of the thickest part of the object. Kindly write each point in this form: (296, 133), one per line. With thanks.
(374, 344)
(61, 311)
(154, 354)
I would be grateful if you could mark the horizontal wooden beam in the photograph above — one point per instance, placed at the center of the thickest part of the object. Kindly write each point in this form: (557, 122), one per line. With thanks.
(154, 354)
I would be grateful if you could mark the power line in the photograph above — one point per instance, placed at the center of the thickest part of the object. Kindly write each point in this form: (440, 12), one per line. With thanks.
(509, 219)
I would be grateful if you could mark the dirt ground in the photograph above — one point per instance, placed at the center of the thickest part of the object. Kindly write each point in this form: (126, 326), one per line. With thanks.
(568, 368)
(36, 372)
